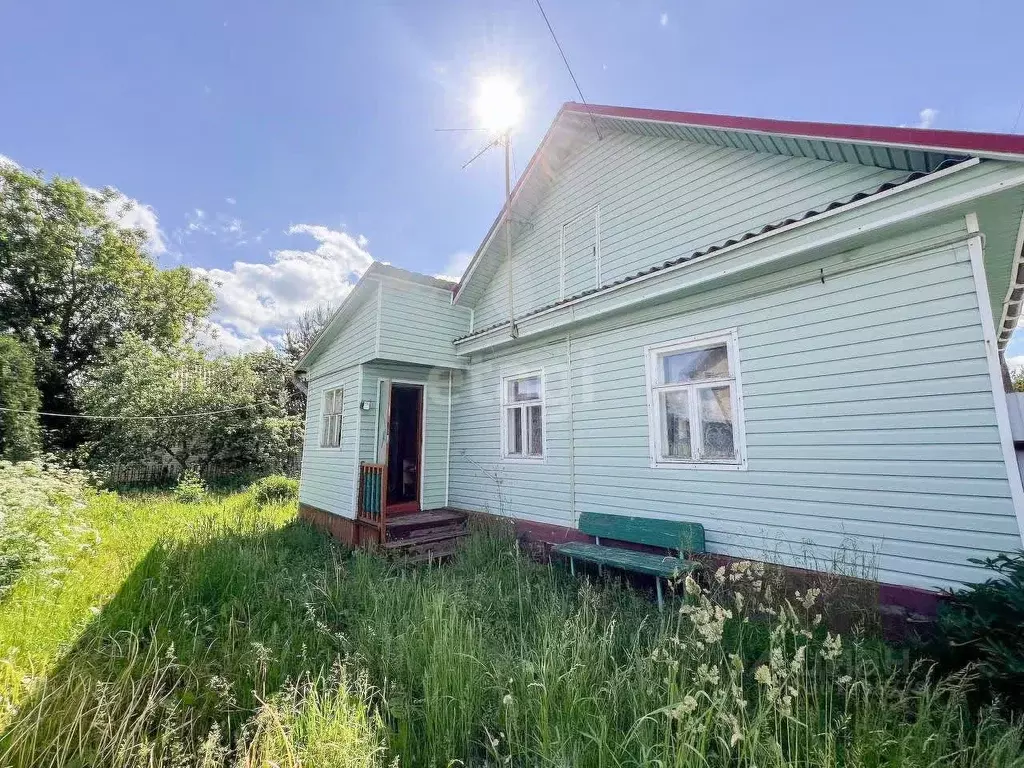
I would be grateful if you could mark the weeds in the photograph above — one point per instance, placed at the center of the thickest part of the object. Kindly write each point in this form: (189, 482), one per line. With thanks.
(234, 637)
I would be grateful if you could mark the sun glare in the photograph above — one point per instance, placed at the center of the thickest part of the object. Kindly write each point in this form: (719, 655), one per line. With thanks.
(498, 106)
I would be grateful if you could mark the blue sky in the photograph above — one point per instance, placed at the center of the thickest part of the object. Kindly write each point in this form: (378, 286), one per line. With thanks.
(279, 146)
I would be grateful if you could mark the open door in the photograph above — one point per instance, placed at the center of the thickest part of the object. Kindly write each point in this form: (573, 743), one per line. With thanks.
(402, 444)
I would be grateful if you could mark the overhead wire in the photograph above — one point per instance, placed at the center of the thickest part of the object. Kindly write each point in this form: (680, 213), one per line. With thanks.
(98, 417)
(569, 69)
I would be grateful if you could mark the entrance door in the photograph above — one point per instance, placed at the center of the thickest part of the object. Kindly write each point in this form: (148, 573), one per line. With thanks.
(404, 441)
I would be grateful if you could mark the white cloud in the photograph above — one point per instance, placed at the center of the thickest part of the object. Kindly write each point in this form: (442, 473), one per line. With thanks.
(456, 266)
(126, 211)
(663, 20)
(1013, 363)
(230, 200)
(227, 229)
(927, 117)
(131, 214)
(256, 302)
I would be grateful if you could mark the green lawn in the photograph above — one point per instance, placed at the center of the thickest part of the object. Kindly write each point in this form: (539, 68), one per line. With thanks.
(225, 633)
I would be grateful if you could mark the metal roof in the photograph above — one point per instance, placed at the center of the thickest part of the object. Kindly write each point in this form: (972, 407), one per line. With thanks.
(817, 211)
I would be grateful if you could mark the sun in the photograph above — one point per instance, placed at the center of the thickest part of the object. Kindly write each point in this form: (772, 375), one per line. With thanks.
(498, 105)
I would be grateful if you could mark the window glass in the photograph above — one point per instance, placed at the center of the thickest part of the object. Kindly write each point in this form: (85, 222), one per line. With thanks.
(695, 365)
(515, 432)
(535, 430)
(716, 423)
(520, 390)
(675, 409)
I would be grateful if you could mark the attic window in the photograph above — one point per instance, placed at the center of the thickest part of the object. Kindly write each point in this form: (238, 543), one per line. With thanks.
(580, 253)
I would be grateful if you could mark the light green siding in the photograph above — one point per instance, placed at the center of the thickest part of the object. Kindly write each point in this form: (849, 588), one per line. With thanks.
(328, 474)
(418, 323)
(435, 424)
(659, 199)
(871, 434)
(354, 343)
(480, 479)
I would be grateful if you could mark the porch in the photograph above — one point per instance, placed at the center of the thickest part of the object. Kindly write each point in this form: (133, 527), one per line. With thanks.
(421, 535)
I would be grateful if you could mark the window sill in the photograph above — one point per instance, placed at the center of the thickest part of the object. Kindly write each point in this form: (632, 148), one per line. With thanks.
(524, 459)
(698, 465)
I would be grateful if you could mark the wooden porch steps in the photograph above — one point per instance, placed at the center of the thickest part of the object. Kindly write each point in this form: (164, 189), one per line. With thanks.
(424, 536)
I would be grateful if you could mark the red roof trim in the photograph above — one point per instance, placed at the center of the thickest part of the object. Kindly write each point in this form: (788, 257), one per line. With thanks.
(925, 138)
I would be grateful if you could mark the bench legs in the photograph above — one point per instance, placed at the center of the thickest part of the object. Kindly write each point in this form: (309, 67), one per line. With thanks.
(572, 566)
(661, 600)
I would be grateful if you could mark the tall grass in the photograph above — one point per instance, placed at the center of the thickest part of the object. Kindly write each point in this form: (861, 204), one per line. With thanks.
(237, 638)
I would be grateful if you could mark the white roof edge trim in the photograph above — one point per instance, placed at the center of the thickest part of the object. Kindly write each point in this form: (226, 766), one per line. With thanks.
(314, 350)
(1015, 266)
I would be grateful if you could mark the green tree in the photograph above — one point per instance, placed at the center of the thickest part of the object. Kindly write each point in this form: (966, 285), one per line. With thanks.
(248, 427)
(19, 432)
(73, 284)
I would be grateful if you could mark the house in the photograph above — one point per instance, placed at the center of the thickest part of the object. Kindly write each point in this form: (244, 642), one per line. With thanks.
(789, 332)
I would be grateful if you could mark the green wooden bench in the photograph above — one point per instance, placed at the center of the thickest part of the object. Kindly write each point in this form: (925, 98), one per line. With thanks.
(668, 534)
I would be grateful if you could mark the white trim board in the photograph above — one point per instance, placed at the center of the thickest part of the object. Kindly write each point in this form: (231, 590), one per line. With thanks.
(975, 247)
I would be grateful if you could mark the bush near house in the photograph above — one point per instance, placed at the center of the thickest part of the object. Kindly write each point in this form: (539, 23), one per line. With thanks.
(980, 626)
(275, 488)
(226, 633)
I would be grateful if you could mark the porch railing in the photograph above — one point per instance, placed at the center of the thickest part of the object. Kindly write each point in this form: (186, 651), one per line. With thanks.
(373, 495)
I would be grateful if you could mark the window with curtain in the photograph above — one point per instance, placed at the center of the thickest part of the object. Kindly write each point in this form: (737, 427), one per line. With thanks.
(692, 394)
(523, 416)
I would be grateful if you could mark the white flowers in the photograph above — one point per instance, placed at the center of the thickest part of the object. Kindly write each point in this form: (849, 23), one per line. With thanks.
(832, 647)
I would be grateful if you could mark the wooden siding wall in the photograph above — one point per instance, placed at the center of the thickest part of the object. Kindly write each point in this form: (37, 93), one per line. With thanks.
(870, 426)
(480, 479)
(327, 473)
(661, 198)
(356, 341)
(418, 324)
(435, 435)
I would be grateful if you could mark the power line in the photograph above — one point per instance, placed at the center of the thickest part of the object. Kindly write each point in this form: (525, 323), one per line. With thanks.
(114, 418)
(568, 68)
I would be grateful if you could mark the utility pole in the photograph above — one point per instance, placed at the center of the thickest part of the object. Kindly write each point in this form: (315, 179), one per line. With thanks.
(508, 233)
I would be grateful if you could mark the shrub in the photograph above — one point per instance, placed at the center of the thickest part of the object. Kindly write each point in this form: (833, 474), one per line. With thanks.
(274, 489)
(191, 488)
(39, 513)
(19, 432)
(981, 625)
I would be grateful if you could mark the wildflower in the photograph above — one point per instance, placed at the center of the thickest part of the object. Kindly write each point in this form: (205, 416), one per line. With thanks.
(708, 674)
(845, 680)
(507, 700)
(810, 597)
(720, 575)
(692, 587)
(686, 707)
(833, 647)
(763, 675)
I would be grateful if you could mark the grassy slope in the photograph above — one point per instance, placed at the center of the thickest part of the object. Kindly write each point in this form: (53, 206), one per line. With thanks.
(205, 635)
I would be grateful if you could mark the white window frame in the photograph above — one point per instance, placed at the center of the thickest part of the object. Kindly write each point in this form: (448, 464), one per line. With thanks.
(652, 357)
(325, 431)
(595, 211)
(505, 406)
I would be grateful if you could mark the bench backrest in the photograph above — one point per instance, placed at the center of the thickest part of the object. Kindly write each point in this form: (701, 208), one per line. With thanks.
(670, 534)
